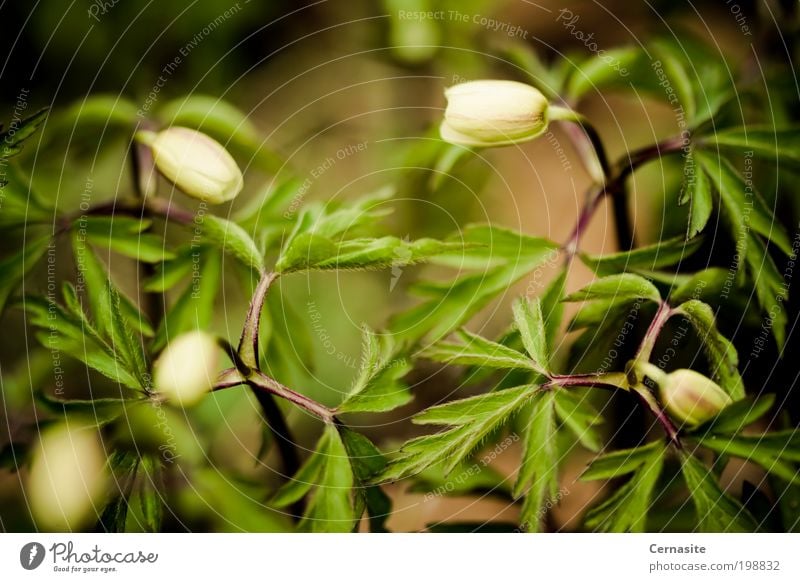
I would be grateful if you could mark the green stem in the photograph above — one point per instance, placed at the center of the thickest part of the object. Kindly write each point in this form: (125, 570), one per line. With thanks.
(652, 404)
(248, 344)
(660, 319)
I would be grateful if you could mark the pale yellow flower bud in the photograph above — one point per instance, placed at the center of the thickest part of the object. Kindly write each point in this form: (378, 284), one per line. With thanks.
(68, 478)
(690, 397)
(195, 163)
(493, 113)
(187, 368)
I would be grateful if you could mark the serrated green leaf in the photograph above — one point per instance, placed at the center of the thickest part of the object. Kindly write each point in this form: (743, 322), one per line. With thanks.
(618, 463)
(504, 256)
(330, 508)
(775, 451)
(538, 473)
(529, 321)
(696, 189)
(655, 256)
(618, 289)
(627, 508)
(378, 386)
(94, 282)
(716, 511)
(477, 351)
(770, 288)
(672, 61)
(14, 268)
(744, 207)
(365, 458)
(772, 143)
(720, 352)
(68, 335)
(578, 414)
(231, 238)
(471, 420)
(552, 306)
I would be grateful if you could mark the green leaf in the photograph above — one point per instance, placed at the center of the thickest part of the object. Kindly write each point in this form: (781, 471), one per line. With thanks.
(739, 415)
(722, 357)
(600, 71)
(627, 508)
(330, 508)
(655, 256)
(552, 306)
(311, 251)
(125, 236)
(14, 268)
(696, 189)
(618, 463)
(771, 143)
(19, 132)
(232, 239)
(21, 205)
(304, 480)
(775, 451)
(529, 321)
(69, 335)
(538, 473)
(744, 207)
(538, 73)
(151, 504)
(194, 308)
(477, 351)
(100, 110)
(716, 511)
(617, 288)
(504, 256)
(471, 421)
(92, 282)
(770, 288)
(171, 272)
(672, 59)
(578, 414)
(378, 386)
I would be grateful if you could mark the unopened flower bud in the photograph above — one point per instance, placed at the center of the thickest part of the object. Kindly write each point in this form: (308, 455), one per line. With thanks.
(690, 397)
(195, 163)
(187, 368)
(68, 478)
(493, 113)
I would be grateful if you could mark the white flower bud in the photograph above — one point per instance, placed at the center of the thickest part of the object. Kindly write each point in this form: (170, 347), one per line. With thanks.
(692, 398)
(68, 478)
(493, 113)
(195, 163)
(187, 368)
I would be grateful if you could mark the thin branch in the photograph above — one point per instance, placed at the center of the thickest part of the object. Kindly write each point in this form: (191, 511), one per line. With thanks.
(615, 187)
(248, 344)
(649, 340)
(261, 381)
